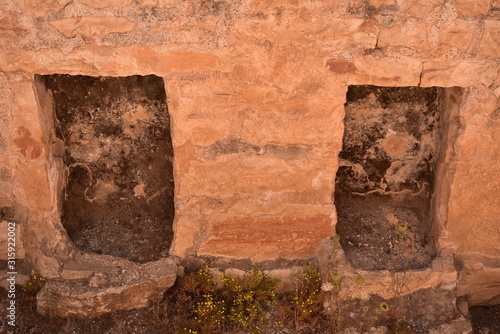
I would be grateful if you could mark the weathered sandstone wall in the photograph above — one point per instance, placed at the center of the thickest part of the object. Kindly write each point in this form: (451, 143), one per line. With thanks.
(256, 93)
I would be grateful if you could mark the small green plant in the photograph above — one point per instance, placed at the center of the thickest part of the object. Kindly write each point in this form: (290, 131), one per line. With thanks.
(198, 283)
(240, 302)
(383, 307)
(305, 300)
(34, 284)
(249, 298)
(403, 249)
(331, 289)
(243, 304)
(210, 314)
(199, 309)
(159, 309)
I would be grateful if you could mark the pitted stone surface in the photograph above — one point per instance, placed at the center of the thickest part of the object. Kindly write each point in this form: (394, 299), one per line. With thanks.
(119, 285)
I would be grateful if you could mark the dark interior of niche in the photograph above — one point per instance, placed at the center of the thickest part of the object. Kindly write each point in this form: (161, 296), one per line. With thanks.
(386, 176)
(485, 318)
(118, 189)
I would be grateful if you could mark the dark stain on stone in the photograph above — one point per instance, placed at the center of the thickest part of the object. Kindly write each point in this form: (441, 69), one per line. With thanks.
(211, 7)
(341, 66)
(286, 152)
(5, 174)
(232, 146)
(496, 113)
(3, 143)
(27, 145)
(8, 212)
(235, 146)
(362, 8)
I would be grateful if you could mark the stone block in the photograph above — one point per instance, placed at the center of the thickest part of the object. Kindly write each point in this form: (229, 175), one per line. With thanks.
(409, 35)
(261, 239)
(187, 227)
(267, 5)
(339, 33)
(472, 8)
(460, 325)
(448, 73)
(40, 7)
(474, 204)
(34, 180)
(134, 287)
(11, 27)
(479, 279)
(108, 60)
(418, 8)
(461, 34)
(90, 27)
(107, 3)
(244, 175)
(490, 43)
(385, 71)
(441, 274)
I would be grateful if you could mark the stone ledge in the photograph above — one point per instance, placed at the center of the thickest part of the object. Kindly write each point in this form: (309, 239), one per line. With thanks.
(479, 279)
(441, 274)
(106, 287)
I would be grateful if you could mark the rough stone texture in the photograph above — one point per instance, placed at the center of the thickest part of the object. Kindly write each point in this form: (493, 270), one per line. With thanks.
(460, 325)
(93, 27)
(110, 286)
(466, 8)
(266, 239)
(479, 279)
(471, 200)
(423, 299)
(256, 93)
(106, 3)
(441, 274)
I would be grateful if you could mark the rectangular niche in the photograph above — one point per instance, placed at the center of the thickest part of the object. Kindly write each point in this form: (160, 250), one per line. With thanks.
(386, 189)
(113, 136)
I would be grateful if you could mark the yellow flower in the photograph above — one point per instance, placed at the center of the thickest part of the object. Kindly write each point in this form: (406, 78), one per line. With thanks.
(402, 227)
(334, 239)
(359, 279)
(336, 276)
(384, 307)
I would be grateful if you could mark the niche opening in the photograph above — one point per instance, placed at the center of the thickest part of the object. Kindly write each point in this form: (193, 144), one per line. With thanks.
(385, 190)
(112, 138)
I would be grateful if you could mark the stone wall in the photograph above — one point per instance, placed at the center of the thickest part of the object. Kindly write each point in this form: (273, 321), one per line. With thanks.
(256, 92)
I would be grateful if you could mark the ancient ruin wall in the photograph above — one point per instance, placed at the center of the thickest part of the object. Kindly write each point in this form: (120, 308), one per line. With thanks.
(256, 93)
